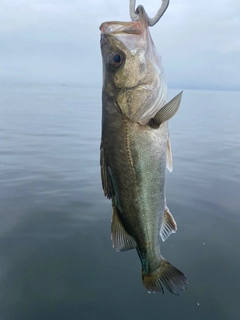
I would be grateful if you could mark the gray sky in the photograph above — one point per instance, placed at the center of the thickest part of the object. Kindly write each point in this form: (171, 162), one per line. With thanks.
(58, 40)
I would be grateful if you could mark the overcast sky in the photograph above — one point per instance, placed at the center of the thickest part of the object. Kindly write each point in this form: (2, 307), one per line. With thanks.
(58, 40)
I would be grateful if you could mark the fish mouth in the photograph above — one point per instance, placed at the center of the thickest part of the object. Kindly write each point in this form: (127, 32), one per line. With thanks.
(132, 27)
(133, 35)
(115, 27)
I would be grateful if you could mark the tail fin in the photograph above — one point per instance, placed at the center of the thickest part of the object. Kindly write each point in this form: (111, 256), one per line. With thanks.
(168, 275)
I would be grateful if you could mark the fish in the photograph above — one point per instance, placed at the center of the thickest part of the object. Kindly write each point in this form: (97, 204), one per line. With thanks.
(135, 148)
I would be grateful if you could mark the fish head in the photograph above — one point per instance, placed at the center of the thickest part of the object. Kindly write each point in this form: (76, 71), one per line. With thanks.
(132, 69)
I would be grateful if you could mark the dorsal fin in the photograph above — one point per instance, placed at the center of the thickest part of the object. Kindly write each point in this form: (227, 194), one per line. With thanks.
(121, 240)
(106, 181)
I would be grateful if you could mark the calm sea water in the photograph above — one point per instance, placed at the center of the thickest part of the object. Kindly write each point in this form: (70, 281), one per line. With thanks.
(56, 257)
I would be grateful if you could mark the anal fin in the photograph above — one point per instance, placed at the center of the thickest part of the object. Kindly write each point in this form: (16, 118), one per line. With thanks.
(121, 240)
(168, 225)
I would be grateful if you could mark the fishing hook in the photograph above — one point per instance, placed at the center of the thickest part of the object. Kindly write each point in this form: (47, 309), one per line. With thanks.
(151, 21)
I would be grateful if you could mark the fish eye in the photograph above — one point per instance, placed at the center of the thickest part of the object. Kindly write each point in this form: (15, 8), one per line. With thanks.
(115, 59)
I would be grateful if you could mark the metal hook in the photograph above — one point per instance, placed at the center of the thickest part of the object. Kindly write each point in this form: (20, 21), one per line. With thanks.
(151, 21)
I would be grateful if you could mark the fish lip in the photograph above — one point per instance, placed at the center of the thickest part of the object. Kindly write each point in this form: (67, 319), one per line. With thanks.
(118, 27)
(131, 27)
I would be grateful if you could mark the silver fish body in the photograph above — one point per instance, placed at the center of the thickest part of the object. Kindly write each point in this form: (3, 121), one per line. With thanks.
(135, 148)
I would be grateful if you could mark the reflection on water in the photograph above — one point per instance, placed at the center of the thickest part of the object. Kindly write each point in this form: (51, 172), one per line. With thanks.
(56, 256)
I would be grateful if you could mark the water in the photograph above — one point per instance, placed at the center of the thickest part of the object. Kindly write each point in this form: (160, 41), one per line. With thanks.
(56, 257)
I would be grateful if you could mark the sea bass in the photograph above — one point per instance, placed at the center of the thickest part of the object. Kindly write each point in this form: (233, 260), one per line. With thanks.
(135, 147)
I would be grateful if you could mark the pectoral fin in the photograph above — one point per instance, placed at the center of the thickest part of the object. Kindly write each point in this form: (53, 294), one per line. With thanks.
(121, 240)
(169, 155)
(106, 180)
(167, 112)
(168, 225)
